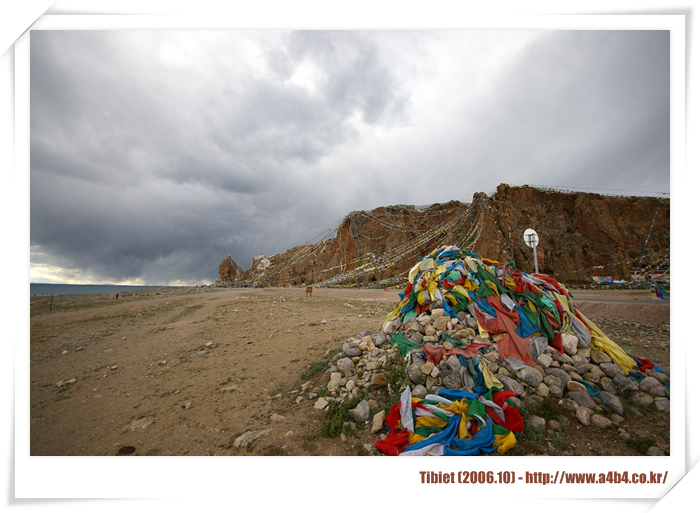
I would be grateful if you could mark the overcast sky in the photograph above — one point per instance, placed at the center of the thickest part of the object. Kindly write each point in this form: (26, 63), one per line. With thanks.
(154, 154)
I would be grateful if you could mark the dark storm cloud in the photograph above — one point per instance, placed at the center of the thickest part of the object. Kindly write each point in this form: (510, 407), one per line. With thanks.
(154, 154)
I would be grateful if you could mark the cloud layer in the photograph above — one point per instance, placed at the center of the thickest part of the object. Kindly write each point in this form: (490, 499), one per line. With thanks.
(154, 154)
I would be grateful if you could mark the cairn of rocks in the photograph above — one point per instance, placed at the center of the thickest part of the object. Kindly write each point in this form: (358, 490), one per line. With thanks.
(581, 379)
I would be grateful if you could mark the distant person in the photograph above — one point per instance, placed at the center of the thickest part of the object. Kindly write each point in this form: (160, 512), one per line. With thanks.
(117, 295)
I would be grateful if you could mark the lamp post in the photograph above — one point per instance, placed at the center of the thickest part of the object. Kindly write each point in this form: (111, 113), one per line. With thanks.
(532, 239)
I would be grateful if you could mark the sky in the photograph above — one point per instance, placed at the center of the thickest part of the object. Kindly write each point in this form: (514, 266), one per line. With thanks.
(154, 154)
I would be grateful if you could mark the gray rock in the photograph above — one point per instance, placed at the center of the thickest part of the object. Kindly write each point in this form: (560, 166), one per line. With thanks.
(530, 375)
(321, 403)
(413, 371)
(583, 399)
(579, 358)
(514, 364)
(648, 383)
(599, 357)
(662, 404)
(361, 412)
(542, 390)
(419, 391)
(600, 421)
(536, 422)
(247, 438)
(583, 414)
(569, 404)
(608, 385)
(655, 451)
(561, 357)
(582, 368)
(453, 363)
(611, 369)
(556, 390)
(352, 349)
(562, 375)
(511, 384)
(416, 337)
(544, 360)
(427, 368)
(553, 424)
(346, 366)
(570, 343)
(612, 401)
(623, 383)
(277, 418)
(451, 379)
(642, 399)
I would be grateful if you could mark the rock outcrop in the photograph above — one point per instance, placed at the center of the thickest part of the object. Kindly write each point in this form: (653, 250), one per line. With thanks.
(581, 235)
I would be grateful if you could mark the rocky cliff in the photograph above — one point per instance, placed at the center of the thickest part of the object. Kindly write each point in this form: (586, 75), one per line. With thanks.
(581, 235)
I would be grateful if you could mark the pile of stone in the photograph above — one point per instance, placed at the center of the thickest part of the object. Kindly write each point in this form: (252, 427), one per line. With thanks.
(581, 379)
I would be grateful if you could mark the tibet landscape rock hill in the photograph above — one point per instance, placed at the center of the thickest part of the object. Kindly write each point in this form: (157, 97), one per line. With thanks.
(580, 235)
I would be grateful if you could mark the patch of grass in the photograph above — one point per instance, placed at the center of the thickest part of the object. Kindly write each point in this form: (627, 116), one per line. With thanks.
(639, 444)
(273, 451)
(549, 409)
(337, 415)
(314, 369)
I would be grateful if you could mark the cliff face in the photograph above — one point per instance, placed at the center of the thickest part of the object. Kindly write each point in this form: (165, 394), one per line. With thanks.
(578, 233)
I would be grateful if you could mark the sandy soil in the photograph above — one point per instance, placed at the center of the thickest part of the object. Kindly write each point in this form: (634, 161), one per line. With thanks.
(180, 372)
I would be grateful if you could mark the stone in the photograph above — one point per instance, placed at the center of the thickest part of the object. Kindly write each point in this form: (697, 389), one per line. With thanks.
(334, 382)
(416, 338)
(321, 403)
(600, 421)
(352, 349)
(642, 399)
(611, 369)
(361, 412)
(419, 391)
(453, 363)
(427, 368)
(649, 383)
(247, 438)
(612, 401)
(451, 379)
(414, 373)
(346, 366)
(579, 358)
(553, 424)
(662, 404)
(570, 343)
(536, 422)
(560, 357)
(582, 368)
(562, 375)
(576, 387)
(530, 375)
(655, 451)
(542, 390)
(583, 415)
(624, 384)
(437, 313)
(608, 385)
(599, 357)
(511, 384)
(583, 399)
(277, 418)
(544, 360)
(378, 421)
(441, 323)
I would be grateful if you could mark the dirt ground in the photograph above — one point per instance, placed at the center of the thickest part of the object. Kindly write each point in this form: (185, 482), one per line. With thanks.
(181, 372)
